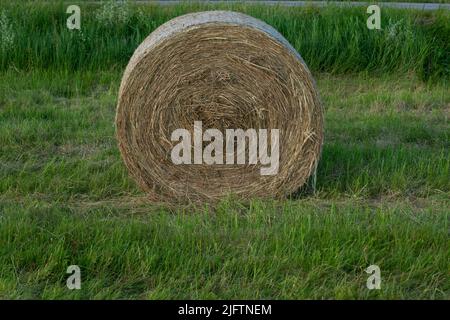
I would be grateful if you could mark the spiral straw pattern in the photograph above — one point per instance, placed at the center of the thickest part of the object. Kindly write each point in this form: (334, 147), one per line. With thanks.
(229, 71)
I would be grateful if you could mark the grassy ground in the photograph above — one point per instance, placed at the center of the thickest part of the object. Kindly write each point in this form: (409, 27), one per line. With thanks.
(383, 197)
(332, 40)
(382, 186)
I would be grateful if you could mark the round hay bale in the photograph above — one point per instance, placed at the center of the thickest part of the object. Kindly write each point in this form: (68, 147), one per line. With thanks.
(229, 71)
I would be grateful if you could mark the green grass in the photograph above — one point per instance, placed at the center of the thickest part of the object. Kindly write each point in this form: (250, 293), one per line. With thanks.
(383, 136)
(66, 198)
(382, 192)
(304, 249)
(333, 39)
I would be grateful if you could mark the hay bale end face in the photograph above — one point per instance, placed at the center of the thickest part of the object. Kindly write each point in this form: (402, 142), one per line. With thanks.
(224, 70)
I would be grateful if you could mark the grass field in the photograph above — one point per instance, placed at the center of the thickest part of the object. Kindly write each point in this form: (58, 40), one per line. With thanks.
(332, 40)
(382, 185)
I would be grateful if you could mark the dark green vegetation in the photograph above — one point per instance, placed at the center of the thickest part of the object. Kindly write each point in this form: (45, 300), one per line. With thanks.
(333, 40)
(382, 186)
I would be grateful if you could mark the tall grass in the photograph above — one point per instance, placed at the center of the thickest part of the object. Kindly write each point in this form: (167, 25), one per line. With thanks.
(334, 40)
(382, 192)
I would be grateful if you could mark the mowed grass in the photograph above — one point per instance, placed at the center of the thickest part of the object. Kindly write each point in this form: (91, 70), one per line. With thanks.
(382, 192)
(382, 198)
(290, 250)
(383, 136)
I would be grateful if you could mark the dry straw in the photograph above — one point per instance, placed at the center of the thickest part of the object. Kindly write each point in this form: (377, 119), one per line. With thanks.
(227, 70)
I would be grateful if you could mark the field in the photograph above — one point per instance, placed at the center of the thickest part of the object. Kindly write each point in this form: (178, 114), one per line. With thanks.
(382, 191)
